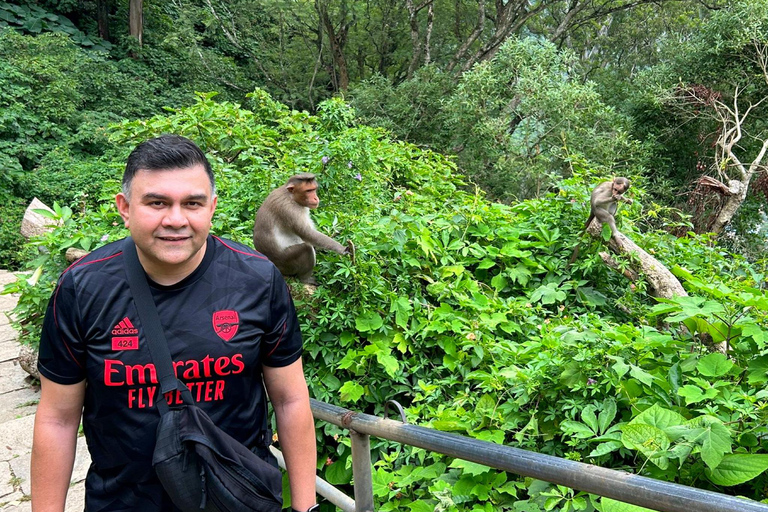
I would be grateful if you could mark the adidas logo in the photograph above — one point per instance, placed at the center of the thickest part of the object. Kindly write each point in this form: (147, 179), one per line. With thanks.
(124, 328)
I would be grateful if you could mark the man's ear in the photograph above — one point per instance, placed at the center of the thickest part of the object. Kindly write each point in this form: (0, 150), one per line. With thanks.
(123, 207)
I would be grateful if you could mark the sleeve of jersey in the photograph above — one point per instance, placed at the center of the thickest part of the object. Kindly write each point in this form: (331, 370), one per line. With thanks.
(62, 351)
(283, 344)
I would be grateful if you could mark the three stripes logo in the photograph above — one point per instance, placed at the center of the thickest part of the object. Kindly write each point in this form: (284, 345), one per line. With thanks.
(125, 336)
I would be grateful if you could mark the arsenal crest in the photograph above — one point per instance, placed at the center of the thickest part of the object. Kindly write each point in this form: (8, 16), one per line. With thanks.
(225, 323)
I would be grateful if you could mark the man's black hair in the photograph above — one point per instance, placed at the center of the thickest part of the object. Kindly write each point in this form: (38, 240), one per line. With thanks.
(163, 153)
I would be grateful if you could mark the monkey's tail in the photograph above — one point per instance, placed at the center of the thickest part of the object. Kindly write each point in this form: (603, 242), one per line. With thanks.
(574, 255)
(589, 221)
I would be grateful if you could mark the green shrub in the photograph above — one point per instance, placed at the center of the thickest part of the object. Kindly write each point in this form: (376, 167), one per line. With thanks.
(464, 311)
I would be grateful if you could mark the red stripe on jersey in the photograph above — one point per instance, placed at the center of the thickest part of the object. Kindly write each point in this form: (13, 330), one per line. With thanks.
(56, 295)
(239, 251)
(285, 326)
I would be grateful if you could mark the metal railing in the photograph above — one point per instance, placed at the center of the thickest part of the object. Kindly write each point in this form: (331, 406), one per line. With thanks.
(619, 485)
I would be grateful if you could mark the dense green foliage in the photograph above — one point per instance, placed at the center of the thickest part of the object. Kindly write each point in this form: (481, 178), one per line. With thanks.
(461, 309)
(517, 123)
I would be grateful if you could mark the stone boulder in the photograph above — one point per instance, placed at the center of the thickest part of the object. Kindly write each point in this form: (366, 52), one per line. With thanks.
(33, 223)
(28, 360)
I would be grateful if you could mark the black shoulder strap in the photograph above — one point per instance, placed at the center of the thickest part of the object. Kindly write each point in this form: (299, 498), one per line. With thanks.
(150, 321)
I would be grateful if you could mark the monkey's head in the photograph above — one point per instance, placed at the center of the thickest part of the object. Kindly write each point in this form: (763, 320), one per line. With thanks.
(303, 188)
(620, 185)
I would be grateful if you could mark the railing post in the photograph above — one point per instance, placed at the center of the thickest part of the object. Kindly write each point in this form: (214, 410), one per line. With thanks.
(361, 471)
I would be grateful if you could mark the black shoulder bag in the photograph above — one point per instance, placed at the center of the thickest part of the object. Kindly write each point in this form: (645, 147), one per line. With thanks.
(200, 466)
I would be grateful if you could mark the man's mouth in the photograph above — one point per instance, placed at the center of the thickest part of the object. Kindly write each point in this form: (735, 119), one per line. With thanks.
(173, 238)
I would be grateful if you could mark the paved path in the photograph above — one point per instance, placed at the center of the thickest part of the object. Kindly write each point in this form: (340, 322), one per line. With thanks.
(19, 395)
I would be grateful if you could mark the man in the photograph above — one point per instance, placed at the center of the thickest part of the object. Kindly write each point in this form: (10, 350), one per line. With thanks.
(229, 320)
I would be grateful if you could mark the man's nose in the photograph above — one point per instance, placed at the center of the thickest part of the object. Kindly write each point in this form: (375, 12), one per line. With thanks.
(175, 217)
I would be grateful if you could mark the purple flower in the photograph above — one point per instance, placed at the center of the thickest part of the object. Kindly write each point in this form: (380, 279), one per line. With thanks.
(591, 381)
(325, 160)
(104, 238)
(358, 177)
(349, 165)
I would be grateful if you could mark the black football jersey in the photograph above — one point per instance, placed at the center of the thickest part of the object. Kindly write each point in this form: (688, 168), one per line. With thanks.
(232, 315)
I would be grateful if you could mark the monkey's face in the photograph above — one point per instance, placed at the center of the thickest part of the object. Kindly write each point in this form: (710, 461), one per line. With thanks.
(620, 185)
(305, 194)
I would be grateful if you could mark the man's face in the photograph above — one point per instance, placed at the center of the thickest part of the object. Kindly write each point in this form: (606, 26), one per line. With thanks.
(169, 216)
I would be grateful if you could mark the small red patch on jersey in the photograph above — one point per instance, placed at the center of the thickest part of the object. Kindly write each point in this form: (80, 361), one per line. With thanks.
(225, 323)
(125, 343)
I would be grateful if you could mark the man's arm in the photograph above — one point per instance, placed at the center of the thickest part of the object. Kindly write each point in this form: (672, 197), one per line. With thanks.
(53, 445)
(288, 393)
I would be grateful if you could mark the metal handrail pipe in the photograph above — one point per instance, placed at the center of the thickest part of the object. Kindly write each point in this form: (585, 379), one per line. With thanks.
(324, 489)
(619, 485)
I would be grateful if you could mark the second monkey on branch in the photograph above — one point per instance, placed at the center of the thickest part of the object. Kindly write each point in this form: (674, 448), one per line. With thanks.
(603, 204)
(284, 231)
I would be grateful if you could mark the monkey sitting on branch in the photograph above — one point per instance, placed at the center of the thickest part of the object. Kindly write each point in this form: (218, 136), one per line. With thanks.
(605, 201)
(284, 232)
(603, 205)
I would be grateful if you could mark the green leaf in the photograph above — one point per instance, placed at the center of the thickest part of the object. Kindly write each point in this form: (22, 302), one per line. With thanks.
(606, 415)
(650, 441)
(420, 506)
(403, 310)
(370, 321)
(694, 394)
(695, 306)
(737, 469)
(486, 263)
(519, 274)
(588, 416)
(755, 332)
(610, 505)
(606, 232)
(577, 429)
(620, 367)
(605, 448)
(548, 294)
(338, 474)
(641, 375)
(389, 362)
(659, 417)
(714, 438)
(381, 479)
(351, 391)
(470, 468)
(758, 370)
(714, 365)
(591, 297)
(499, 282)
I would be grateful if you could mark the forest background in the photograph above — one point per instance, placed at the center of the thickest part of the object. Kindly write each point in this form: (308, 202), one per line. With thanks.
(456, 143)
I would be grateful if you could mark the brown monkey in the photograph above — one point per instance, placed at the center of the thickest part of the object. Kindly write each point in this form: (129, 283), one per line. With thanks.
(603, 205)
(284, 231)
(605, 201)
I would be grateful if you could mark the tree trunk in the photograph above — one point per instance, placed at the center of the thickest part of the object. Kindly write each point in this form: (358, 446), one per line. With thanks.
(732, 205)
(428, 39)
(510, 18)
(416, 52)
(415, 38)
(136, 19)
(663, 283)
(472, 37)
(102, 17)
(338, 41)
